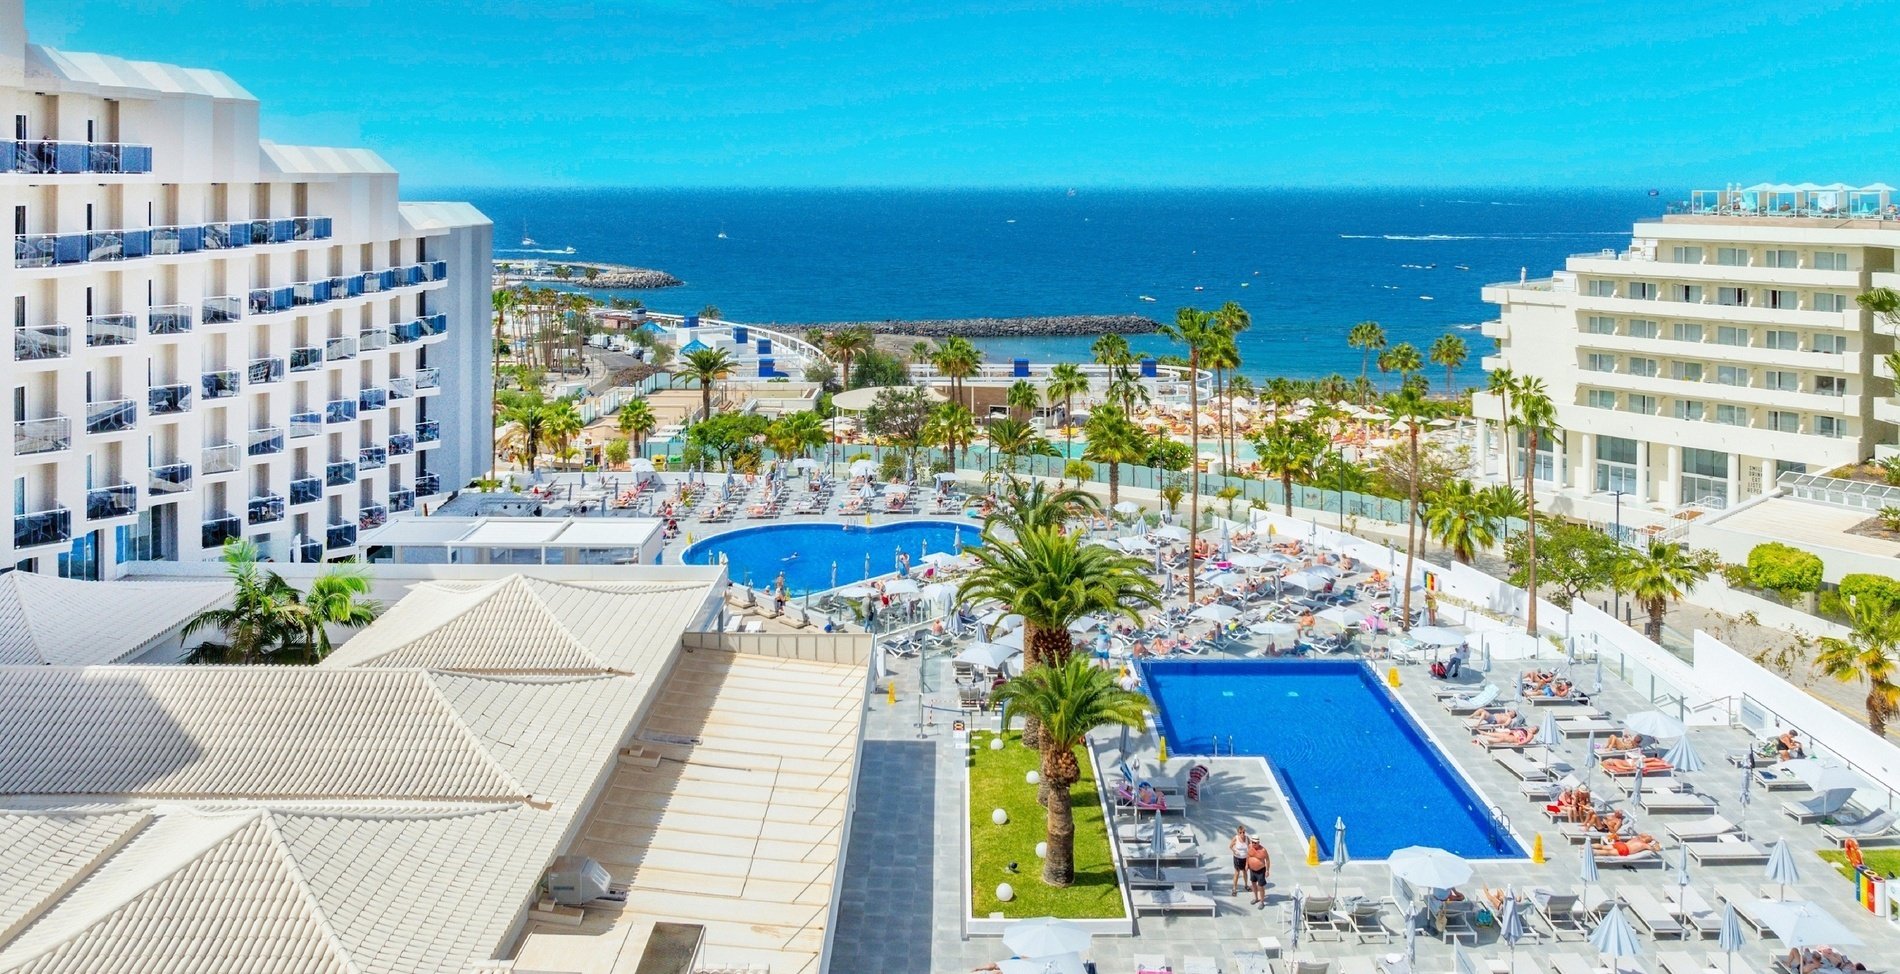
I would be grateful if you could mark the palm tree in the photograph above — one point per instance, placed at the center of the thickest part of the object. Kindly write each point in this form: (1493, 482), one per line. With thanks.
(1012, 438)
(1030, 504)
(262, 616)
(1114, 439)
(1866, 653)
(504, 300)
(847, 343)
(1220, 355)
(1408, 408)
(952, 426)
(1503, 383)
(1338, 474)
(706, 366)
(1024, 396)
(1066, 381)
(1450, 352)
(562, 423)
(795, 435)
(1455, 515)
(1655, 576)
(1367, 337)
(1404, 359)
(1067, 702)
(957, 359)
(1537, 417)
(1233, 320)
(1111, 350)
(1195, 328)
(1290, 450)
(1238, 386)
(529, 414)
(335, 598)
(636, 419)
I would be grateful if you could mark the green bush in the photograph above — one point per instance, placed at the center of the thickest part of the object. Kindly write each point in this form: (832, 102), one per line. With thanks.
(1862, 586)
(1784, 569)
(1737, 576)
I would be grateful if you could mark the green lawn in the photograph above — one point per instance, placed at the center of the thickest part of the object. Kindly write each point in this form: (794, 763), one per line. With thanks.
(996, 781)
(1886, 862)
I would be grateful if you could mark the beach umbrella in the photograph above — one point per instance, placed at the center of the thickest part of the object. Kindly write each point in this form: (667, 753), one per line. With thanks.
(1821, 776)
(1014, 638)
(1682, 886)
(640, 465)
(901, 586)
(1615, 938)
(1136, 543)
(1590, 756)
(1428, 867)
(854, 591)
(1781, 867)
(1340, 858)
(1215, 613)
(1799, 923)
(1588, 871)
(1299, 918)
(941, 559)
(1683, 757)
(1511, 927)
(1170, 532)
(1223, 579)
(1247, 559)
(1342, 616)
(806, 463)
(1070, 963)
(1011, 621)
(946, 478)
(1309, 580)
(1438, 636)
(1731, 938)
(1273, 630)
(1127, 507)
(1550, 737)
(1046, 937)
(1636, 785)
(1748, 778)
(1084, 624)
(863, 468)
(1654, 723)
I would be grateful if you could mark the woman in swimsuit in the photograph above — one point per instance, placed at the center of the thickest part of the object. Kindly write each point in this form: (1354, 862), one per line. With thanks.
(1510, 735)
(1239, 849)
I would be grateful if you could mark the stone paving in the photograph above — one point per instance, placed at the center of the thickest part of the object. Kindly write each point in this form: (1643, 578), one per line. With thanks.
(885, 877)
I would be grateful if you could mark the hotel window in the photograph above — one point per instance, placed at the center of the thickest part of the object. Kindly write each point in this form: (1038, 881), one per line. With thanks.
(1599, 325)
(1829, 302)
(1830, 426)
(1642, 366)
(1704, 477)
(1643, 290)
(1781, 381)
(1599, 399)
(1830, 385)
(1686, 371)
(1731, 415)
(1600, 288)
(1686, 255)
(1733, 297)
(1638, 403)
(1642, 328)
(1731, 256)
(1787, 341)
(1599, 362)
(1831, 344)
(1731, 375)
(1779, 258)
(1785, 300)
(1544, 464)
(1784, 422)
(1686, 331)
(1691, 293)
(1730, 335)
(1828, 260)
(1616, 464)
(1691, 409)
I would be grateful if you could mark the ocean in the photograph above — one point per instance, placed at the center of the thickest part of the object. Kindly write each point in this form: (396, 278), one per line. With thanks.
(1307, 264)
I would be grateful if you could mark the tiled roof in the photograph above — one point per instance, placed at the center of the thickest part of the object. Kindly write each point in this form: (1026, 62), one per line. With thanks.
(44, 855)
(323, 160)
(121, 78)
(422, 217)
(66, 622)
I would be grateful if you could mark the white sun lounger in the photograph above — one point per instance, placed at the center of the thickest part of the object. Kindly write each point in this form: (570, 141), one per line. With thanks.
(1655, 915)
(1485, 697)
(1713, 827)
(1743, 900)
(1174, 900)
(1876, 829)
(1666, 802)
(1729, 850)
(1522, 765)
(1817, 808)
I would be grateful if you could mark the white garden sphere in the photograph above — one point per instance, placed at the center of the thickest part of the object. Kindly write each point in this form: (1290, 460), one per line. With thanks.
(996, 743)
(1032, 777)
(1042, 850)
(1000, 817)
(1004, 892)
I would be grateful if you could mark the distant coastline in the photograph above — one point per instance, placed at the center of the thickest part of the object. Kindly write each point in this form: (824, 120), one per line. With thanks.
(606, 276)
(1033, 326)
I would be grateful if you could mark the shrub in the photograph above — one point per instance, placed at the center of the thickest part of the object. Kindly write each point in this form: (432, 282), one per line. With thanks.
(1784, 569)
(1737, 576)
(1890, 518)
(1860, 586)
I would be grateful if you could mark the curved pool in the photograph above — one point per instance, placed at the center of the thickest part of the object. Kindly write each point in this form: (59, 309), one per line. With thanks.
(816, 556)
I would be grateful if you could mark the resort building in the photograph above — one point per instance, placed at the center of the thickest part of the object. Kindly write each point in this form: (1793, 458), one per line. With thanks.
(215, 336)
(1721, 350)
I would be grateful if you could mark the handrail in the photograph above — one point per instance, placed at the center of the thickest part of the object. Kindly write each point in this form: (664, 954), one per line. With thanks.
(1813, 745)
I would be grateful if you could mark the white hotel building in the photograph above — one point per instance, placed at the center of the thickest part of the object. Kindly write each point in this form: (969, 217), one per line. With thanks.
(1722, 348)
(216, 336)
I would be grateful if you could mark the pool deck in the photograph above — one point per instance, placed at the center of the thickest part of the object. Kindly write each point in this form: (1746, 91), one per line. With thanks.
(902, 899)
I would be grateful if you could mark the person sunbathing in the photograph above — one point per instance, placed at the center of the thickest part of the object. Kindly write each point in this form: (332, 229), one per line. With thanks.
(1538, 678)
(1495, 897)
(1626, 766)
(1496, 718)
(1611, 824)
(1631, 742)
(1624, 848)
(1573, 804)
(1805, 961)
(1513, 736)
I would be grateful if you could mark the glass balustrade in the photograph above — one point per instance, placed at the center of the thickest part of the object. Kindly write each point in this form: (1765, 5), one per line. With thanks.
(171, 478)
(221, 384)
(265, 442)
(340, 536)
(339, 411)
(429, 431)
(217, 530)
(111, 415)
(342, 473)
(168, 319)
(401, 500)
(48, 157)
(306, 359)
(265, 509)
(371, 517)
(305, 424)
(306, 490)
(222, 309)
(42, 528)
(118, 500)
(372, 458)
(168, 400)
(401, 445)
(38, 343)
(48, 434)
(428, 484)
(220, 459)
(115, 329)
(339, 349)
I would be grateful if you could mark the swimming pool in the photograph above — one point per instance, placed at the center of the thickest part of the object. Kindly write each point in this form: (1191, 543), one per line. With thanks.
(1340, 746)
(817, 556)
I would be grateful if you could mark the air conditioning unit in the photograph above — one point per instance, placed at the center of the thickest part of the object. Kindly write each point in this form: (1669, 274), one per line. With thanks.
(577, 881)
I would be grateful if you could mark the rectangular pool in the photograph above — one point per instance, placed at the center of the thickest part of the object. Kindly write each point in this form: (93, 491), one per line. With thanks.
(1340, 746)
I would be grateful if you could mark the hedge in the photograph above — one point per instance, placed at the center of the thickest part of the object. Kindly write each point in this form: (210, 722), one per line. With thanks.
(1860, 586)
(1783, 568)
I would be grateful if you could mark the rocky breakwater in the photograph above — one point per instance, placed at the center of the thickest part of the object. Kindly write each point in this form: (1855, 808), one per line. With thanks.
(603, 277)
(1041, 326)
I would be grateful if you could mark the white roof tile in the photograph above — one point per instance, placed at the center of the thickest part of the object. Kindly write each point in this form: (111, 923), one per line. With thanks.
(322, 160)
(66, 622)
(42, 856)
(423, 217)
(122, 78)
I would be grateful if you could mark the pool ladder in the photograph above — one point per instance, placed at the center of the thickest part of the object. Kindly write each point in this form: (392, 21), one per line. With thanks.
(1216, 745)
(1501, 820)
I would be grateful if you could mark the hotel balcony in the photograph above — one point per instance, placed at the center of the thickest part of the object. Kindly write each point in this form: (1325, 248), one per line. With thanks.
(339, 474)
(264, 370)
(372, 458)
(111, 416)
(306, 490)
(168, 400)
(371, 517)
(106, 503)
(309, 552)
(305, 424)
(43, 528)
(45, 157)
(119, 329)
(429, 379)
(370, 341)
(339, 349)
(169, 319)
(223, 309)
(339, 411)
(402, 499)
(269, 300)
(371, 399)
(221, 459)
(339, 536)
(130, 243)
(306, 359)
(172, 478)
(434, 326)
(266, 508)
(215, 531)
(401, 387)
(401, 445)
(221, 384)
(49, 434)
(428, 432)
(428, 485)
(265, 442)
(42, 343)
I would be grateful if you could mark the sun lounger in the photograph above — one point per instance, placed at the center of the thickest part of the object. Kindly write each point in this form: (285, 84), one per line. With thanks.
(1561, 914)
(1681, 962)
(1713, 827)
(1676, 802)
(1776, 780)
(1145, 963)
(1367, 920)
(1694, 912)
(1584, 728)
(1652, 913)
(1578, 834)
(1876, 829)
(1199, 965)
(1490, 745)
(1316, 912)
(1569, 964)
(1486, 696)
(1817, 808)
(1169, 877)
(1307, 967)
(1173, 900)
(1635, 860)
(1728, 850)
(1525, 768)
(1743, 900)
(1576, 699)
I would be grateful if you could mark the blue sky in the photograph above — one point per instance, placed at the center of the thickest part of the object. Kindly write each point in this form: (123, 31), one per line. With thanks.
(763, 93)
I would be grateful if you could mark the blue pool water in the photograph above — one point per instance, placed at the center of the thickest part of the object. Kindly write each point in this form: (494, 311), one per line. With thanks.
(811, 554)
(1340, 746)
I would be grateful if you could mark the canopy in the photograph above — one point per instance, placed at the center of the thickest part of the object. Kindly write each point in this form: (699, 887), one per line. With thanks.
(1429, 867)
(1135, 543)
(1046, 937)
(1170, 532)
(1614, 937)
(863, 468)
(806, 463)
(1437, 636)
(988, 655)
(1821, 776)
(640, 465)
(1799, 923)
(1245, 559)
(1215, 613)
(1342, 616)
(1309, 580)
(1273, 629)
(901, 586)
(1654, 723)
(1127, 507)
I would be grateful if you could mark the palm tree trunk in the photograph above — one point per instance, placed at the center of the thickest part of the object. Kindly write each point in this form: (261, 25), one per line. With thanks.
(1058, 868)
(1530, 535)
(1411, 529)
(1114, 482)
(1286, 491)
(1194, 466)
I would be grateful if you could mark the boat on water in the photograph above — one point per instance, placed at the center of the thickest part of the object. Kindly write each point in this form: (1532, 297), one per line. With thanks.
(527, 241)
(1147, 297)
(1462, 267)
(1246, 284)
(569, 249)
(1197, 287)
(1426, 297)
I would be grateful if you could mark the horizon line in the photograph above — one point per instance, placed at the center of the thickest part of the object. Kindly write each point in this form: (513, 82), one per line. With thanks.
(1035, 187)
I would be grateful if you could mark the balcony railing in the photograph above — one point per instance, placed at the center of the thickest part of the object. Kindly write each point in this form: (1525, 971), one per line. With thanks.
(221, 384)
(45, 435)
(42, 528)
(428, 379)
(306, 490)
(306, 359)
(339, 474)
(93, 246)
(225, 236)
(339, 536)
(41, 342)
(172, 478)
(406, 333)
(401, 445)
(223, 458)
(339, 411)
(402, 499)
(84, 247)
(372, 399)
(433, 325)
(339, 349)
(305, 424)
(309, 552)
(372, 458)
(223, 309)
(265, 509)
(263, 370)
(370, 341)
(373, 516)
(428, 484)
(169, 319)
(119, 329)
(50, 158)
(401, 387)
(105, 503)
(269, 300)
(169, 399)
(111, 415)
(305, 293)
(217, 530)
(265, 442)
(429, 431)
